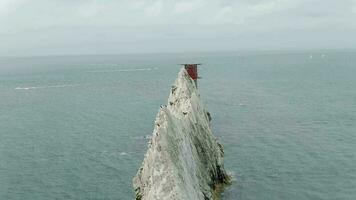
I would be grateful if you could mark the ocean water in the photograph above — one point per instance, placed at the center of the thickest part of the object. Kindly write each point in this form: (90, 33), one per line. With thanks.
(76, 127)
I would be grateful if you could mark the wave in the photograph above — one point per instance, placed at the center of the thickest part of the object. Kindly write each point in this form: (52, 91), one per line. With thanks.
(123, 70)
(45, 87)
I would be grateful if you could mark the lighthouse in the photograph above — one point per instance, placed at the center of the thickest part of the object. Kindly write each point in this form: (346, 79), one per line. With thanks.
(192, 70)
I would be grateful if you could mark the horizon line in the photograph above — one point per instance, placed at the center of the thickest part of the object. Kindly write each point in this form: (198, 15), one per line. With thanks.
(282, 50)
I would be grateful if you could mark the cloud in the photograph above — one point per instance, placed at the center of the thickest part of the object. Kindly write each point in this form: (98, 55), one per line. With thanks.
(118, 25)
(132, 13)
(273, 6)
(9, 6)
(155, 9)
(89, 9)
(182, 7)
(354, 6)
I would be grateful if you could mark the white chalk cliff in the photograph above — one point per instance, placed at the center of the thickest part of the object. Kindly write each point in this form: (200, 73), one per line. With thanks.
(184, 161)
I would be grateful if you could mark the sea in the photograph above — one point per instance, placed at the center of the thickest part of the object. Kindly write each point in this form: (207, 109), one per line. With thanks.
(77, 127)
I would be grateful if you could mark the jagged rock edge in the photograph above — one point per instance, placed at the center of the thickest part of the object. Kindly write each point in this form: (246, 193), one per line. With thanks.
(184, 109)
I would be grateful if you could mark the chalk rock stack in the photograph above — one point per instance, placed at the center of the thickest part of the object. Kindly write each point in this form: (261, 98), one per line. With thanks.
(184, 161)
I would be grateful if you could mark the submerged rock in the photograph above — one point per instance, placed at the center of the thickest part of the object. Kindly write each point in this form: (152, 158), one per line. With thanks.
(184, 161)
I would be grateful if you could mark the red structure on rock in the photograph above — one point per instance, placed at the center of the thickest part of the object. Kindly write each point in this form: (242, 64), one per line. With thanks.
(192, 70)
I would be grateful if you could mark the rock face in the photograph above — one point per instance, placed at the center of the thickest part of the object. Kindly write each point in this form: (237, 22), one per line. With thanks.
(184, 161)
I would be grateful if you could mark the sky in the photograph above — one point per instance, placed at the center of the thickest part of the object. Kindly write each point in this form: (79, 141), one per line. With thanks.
(76, 27)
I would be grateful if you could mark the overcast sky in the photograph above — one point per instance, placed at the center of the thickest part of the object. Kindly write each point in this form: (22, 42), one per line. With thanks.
(48, 27)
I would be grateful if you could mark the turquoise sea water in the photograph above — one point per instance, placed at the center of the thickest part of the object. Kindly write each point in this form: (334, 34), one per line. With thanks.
(76, 127)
